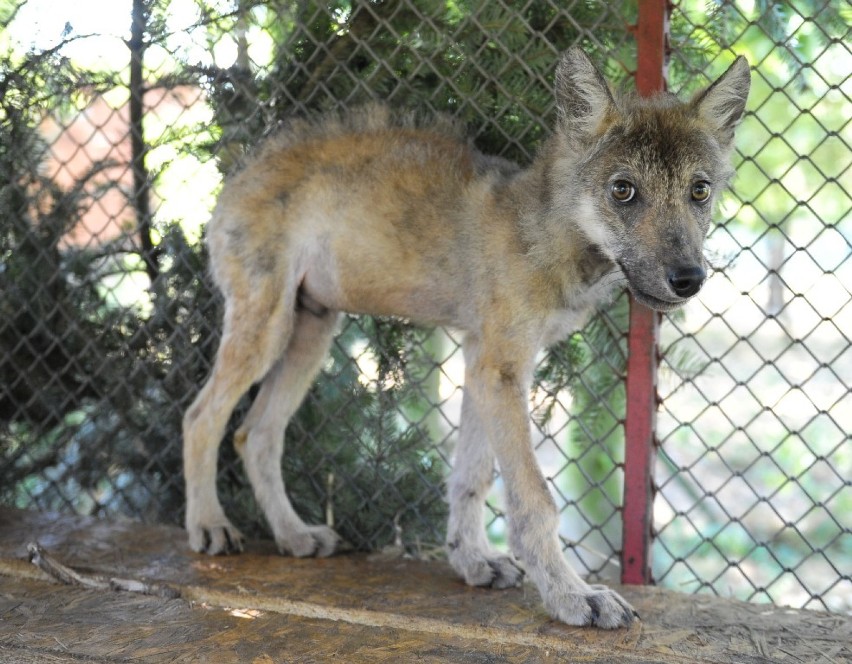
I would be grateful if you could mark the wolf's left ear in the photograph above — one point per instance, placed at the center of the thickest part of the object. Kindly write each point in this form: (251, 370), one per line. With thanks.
(722, 104)
(583, 97)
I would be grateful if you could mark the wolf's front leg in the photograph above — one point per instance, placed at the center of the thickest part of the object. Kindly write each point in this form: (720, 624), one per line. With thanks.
(468, 549)
(498, 387)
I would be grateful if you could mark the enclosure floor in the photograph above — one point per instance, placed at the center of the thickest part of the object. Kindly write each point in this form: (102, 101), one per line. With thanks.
(260, 607)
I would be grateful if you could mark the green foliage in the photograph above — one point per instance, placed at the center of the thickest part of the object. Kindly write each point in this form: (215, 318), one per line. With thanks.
(380, 472)
(351, 455)
(794, 107)
(92, 393)
(591, 365)
(38, 293)
(489, 64)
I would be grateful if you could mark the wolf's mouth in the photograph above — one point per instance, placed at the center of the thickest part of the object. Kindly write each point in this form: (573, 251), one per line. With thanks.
(647, 299)
(655, 302)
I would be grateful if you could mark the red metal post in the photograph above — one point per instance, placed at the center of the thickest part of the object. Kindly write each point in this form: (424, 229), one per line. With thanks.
(651, 36)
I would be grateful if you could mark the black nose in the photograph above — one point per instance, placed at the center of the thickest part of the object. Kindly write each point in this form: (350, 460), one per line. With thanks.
(686, 281)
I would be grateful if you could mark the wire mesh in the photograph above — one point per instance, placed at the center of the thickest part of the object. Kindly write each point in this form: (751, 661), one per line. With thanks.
(754, 466)
(109, 321)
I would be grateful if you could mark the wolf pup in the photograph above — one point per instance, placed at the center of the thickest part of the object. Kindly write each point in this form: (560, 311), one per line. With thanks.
(377, 214)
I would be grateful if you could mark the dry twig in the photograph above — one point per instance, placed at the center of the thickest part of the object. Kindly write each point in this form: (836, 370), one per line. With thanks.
(64, 574)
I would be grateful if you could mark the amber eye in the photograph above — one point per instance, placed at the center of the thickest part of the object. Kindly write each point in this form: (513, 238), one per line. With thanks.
(623, 191)
(701, 192)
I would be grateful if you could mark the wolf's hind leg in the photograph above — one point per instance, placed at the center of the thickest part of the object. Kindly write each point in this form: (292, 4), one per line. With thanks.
(254, 329)
(470, 554)
(260, 439)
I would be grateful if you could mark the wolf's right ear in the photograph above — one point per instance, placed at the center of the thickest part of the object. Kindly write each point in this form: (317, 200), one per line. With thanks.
(583, 98)
(722, 104)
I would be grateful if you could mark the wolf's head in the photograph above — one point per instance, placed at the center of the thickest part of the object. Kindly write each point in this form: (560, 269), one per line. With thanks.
(644, 174)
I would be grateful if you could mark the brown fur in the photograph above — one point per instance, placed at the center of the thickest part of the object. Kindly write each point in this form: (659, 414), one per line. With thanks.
(381, 214)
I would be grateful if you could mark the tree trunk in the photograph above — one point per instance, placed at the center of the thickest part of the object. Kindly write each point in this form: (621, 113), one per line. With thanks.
(141, 180)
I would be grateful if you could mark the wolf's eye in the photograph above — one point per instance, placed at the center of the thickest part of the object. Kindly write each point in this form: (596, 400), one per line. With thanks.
(701, 192)
(623, 191)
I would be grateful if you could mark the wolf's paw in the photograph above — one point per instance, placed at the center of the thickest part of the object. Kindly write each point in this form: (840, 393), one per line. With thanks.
(310, 541)
(489, 569)
(215, 538)
(594, 605)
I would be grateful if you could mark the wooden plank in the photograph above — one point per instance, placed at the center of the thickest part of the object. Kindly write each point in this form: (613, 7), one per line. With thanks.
(261, 607)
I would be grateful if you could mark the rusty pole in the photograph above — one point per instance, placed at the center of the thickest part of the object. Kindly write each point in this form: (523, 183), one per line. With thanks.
(651, 33)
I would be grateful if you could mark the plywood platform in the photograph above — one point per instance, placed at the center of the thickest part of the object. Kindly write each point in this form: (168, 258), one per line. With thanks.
(260, 607)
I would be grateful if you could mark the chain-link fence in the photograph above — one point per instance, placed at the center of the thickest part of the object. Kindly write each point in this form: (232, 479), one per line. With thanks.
(118, 125)
(755, 458)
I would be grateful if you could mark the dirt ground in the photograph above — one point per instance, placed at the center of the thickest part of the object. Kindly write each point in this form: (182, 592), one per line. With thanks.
(260, 607)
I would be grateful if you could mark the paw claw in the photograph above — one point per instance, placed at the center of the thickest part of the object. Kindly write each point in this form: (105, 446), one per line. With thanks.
(506, 574)
(612, 611)
(597, 606)
(216, 539)
(233, 542)
(313, 542)
(487, 569)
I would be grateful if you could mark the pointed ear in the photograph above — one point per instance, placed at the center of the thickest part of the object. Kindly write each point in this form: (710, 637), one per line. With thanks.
(722, 104)
(583, 98)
